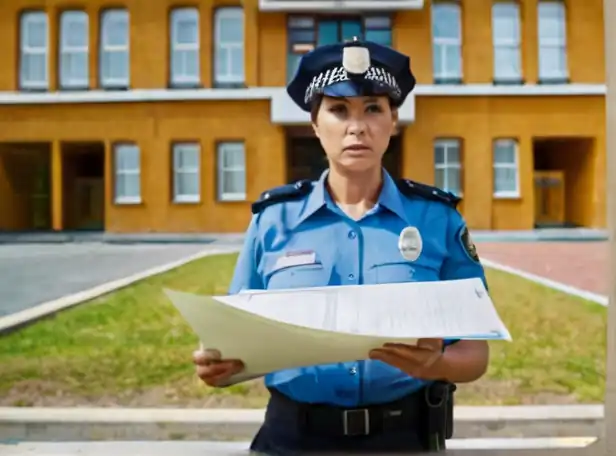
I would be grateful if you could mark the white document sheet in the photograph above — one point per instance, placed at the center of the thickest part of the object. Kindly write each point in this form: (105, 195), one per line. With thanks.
(281, 329)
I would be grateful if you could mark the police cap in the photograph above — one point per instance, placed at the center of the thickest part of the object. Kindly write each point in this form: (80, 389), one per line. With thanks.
(352, 69)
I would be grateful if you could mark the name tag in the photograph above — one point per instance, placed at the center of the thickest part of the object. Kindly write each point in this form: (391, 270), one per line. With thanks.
(295, 259)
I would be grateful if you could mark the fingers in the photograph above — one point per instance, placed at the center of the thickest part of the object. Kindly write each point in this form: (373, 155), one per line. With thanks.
(212, 369)
(204, 357)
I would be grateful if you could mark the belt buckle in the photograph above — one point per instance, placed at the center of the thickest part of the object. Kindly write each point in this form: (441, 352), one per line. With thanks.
(356, 422)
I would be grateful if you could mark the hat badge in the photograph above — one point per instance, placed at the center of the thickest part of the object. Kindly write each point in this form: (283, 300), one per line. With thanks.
(355, 59)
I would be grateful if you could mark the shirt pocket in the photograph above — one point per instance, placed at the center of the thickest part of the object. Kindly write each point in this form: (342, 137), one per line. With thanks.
(394, 272)
(305, 275)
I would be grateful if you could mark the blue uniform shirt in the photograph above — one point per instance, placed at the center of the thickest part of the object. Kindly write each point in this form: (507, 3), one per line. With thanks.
(345, 251)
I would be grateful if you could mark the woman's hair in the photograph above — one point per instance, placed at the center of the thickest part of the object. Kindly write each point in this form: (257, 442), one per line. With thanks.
(316, 105)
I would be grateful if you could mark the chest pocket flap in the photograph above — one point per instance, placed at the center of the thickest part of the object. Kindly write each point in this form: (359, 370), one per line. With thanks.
(298, 270)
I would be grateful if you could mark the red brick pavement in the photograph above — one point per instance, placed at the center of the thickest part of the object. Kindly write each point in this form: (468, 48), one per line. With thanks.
(582, 265)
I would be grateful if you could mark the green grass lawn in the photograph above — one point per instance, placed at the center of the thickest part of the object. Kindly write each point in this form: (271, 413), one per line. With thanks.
(132, 348)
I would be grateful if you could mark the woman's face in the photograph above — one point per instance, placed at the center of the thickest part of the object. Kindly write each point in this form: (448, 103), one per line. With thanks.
(355, 132)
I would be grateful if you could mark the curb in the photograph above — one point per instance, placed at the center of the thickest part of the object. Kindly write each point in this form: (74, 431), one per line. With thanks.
(19, 319)
(149, 424)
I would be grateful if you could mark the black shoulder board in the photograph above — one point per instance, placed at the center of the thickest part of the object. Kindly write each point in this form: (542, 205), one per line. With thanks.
(411, 188)
(281, 194)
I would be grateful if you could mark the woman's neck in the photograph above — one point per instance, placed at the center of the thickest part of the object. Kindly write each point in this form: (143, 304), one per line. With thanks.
(355, 192)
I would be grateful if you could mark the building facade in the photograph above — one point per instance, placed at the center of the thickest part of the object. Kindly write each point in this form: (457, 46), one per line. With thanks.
(171, 116)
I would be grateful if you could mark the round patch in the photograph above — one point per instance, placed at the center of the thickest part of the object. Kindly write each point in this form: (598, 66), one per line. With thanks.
(469, 245)
(410, 243)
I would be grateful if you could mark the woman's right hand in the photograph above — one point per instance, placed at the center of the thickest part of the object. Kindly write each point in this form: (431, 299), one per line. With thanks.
(214, 370)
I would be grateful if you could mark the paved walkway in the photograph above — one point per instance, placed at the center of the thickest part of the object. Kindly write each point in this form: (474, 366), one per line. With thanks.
(583, 265)
(31, 274)
(241, 448)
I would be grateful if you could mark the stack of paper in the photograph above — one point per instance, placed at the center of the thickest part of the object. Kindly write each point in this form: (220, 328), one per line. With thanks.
(280, 329)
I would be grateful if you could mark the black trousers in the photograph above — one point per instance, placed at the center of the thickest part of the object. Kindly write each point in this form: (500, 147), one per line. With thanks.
(291, 428)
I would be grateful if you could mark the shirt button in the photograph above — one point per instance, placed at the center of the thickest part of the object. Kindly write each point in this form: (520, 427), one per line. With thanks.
(352, 234)
(351, 276)
(353, 370)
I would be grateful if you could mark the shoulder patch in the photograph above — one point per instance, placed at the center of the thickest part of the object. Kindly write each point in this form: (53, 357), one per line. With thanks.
(468, 244)
(411, 188)
(282, 194)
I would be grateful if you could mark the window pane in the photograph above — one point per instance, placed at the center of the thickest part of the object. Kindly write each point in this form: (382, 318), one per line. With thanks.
(301, 36)
(439, 154)
(132, 188)
(380, 22)
(74, 67)
(34, 29)
(505, 22)
(34, 67)
(351, 29)
(453, 155)
(446, 20)
(187, 157)
(115, 28)
(115, 65)
(504, 153)
(439, 178)
(453, 61)
(551, 21)
(74, 29)
(507, 62)
(234, 182)
(379, 36)
(327, 33)
(292, 65)
(237, 63)
(552, 62)
(453, 180)
(188, 183)
(186, 32)
(437, 59)
(504, 180)
(230, 30)
(232, 156)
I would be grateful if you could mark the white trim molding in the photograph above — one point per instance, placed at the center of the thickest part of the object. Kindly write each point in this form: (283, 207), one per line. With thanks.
(283, 110)
(338, 5)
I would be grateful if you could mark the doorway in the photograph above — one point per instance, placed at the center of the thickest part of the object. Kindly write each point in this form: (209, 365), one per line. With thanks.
(563, 180)
(306, 158)
(83, 170)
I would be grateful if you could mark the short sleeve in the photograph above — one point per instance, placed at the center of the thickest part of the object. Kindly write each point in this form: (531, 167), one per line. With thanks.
(246, 275)
(462, 261)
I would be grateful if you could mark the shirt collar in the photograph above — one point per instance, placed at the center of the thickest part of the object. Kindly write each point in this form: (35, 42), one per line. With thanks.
(389, 198)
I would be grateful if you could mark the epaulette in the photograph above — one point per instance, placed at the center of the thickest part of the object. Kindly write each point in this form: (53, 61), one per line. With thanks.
(411, 188)
(282, 194)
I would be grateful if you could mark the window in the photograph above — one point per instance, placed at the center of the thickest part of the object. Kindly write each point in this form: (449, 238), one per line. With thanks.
(306, 32)
(447, 165)
(231, 171)
(34, 41)
(185, 68)
(186, 172)
(505, 159)
(506, 41)
(552, 42)
(74, 39)
(229, 47)
(127, 174)
(114, 53)
(446, 43)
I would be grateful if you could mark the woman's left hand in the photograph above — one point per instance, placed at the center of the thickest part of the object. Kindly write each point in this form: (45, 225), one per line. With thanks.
(418, 361)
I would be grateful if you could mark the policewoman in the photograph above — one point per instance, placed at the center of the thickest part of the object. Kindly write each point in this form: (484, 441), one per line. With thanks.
(356, 225)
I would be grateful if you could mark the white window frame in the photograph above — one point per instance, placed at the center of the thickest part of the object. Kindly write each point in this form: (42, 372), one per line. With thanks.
(509, 43)
(448, 166)
(222, 148)
(180, 172)
(184, 50)
(67, 80)
(118, 172)
(220, 77)
(106, 17)
(560, 74)
(30, 19)
(515, 166)
(440, 44)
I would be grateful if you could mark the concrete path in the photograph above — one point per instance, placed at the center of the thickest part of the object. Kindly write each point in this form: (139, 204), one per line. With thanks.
(31, 274)
(241, 448)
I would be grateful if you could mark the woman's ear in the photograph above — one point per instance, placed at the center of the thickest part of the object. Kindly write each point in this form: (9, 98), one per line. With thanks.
(394, 118)
(315, 128)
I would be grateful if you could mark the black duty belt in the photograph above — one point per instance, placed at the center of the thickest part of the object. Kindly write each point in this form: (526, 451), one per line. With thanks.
(321, 419)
